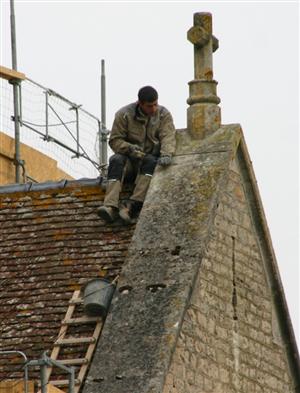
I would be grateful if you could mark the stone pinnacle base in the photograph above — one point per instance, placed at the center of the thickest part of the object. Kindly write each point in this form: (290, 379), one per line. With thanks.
(203, 120)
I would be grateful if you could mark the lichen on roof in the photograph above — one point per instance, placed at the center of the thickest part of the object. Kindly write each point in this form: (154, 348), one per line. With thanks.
(52, 241)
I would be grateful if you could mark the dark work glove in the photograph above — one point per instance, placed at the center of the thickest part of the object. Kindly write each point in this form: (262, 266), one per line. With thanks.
(136, 151)
(164, 160)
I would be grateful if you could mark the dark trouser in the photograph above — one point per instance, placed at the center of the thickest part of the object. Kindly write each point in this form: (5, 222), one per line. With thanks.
(122, 168)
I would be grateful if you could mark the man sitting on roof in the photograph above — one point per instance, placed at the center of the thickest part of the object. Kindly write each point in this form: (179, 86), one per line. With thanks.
(142, 136)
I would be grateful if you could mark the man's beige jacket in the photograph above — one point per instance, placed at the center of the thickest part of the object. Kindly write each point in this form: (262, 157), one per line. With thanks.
(155, 134)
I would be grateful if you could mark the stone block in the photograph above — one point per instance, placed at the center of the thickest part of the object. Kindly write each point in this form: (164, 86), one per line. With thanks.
(203, 91)
(203, 120)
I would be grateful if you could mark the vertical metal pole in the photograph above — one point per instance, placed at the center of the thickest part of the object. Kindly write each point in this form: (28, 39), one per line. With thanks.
(15, 90)
(13, 35)
(26, 378)
(47, 115)
(43, 373)
(72, 380)
(100, 141)
(103, 93)
(20, 103)
(77, 130)
(103, 152)
(17, 132)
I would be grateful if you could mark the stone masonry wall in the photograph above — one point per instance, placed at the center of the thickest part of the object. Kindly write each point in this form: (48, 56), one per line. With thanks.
(229, 342)
(157, 278)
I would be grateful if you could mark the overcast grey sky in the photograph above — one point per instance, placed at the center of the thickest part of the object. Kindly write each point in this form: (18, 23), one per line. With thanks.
(60, 44)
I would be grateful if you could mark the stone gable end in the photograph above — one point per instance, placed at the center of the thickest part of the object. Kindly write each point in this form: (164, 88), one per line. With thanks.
(229, 341)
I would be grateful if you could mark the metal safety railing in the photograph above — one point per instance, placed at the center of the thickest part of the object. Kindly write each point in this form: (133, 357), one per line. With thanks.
(56, 126)
(75, 138)
(43, 363)
(20, 353)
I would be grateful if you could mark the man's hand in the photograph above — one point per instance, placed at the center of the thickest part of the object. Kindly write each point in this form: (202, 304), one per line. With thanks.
(136, 151)
(164, 160)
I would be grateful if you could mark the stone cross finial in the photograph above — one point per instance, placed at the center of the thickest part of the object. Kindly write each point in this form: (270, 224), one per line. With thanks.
(204, 44)
(204, 115)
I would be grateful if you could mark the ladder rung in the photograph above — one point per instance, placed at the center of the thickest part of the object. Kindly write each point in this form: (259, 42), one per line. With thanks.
(75, 340)
(74, 321)
(79, 300)
(74, 361)
(63, 382)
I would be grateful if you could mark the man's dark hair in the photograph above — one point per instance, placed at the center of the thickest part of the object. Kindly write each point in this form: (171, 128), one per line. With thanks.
(147, 94)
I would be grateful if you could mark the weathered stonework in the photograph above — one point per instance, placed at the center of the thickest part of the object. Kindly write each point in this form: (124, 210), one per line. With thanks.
(204, 114)
(195, 237)
(227, 343)
(203, 119)
(157, 279)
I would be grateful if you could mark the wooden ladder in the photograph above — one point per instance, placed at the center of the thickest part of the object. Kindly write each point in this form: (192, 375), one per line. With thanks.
(63, 341)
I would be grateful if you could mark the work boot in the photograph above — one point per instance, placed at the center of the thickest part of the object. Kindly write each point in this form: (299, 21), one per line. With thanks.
(108, 213)
(113, 189)
(129, 211)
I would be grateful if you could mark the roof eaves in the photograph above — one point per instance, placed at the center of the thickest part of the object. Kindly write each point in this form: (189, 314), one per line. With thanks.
(50, 185)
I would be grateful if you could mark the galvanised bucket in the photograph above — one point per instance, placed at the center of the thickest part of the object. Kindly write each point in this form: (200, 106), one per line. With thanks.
(98, 294)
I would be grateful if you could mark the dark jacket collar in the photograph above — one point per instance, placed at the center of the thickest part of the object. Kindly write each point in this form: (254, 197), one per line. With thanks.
(139, 114)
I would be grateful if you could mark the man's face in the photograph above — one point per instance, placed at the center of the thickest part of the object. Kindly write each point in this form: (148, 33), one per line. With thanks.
(149, 108)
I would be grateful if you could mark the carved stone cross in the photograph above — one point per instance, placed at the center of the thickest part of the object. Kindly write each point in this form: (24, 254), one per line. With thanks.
(204, 114)
(204, 45)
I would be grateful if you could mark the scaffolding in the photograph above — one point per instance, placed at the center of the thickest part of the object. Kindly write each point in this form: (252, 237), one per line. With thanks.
(43, 363)
(54, 125)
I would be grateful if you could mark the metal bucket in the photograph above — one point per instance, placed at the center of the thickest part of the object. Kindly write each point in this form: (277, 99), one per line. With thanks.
(97, 296)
